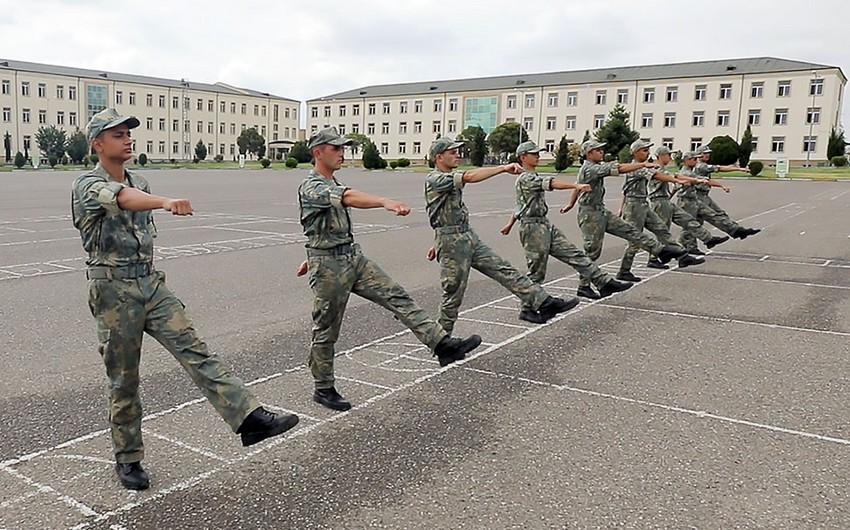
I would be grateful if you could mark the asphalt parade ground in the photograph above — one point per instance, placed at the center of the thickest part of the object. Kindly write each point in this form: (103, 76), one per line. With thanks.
(710, 397)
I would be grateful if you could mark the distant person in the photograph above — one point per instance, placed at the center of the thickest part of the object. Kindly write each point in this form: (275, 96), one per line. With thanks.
(112, 208)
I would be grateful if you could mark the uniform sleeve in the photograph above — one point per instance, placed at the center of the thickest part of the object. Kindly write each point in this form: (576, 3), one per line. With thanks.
(322, 195)
(712, 168)
(446, 182)
(597, 171)
(546, 183)
(531, 183)
(97, 194)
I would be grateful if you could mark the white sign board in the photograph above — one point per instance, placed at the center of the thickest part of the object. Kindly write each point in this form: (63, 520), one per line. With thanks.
(36, 159)
(241, 160)
(781, 167)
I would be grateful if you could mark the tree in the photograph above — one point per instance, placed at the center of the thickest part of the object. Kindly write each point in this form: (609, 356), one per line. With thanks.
(77, 147)
(724, 150)
(836, 144)
(51, 142)
(250, 141)
(476, 144)
(504, 139)
(584, 138)
(20, 160)
(616, 132)
(371, 157)
(300, 152)
(746, 147)
(201, 150)
(563, 155)
(359, 141)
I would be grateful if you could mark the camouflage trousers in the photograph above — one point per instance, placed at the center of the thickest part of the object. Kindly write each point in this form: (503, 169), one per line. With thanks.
(702, 212)
(333, 278)
(637, 213)
(542, 239)
(124, 311)
(672, 213)
(595, 221)
(460, 251)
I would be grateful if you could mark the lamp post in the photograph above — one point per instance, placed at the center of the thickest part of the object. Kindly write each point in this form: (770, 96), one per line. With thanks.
(521, 103)
(811, 114)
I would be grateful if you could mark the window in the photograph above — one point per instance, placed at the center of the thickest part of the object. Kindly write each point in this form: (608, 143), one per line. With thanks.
(162, 124)
(810, 144)
(119, 97)
(175, 148)
(200, 126)
(452, 126)
(622, 96)
(528, 123)
(221, 127)
(25, 88)
(232, 128)
(72, 93)
(221, 149)
(60, 92)
(370, 128)
(211, 105)
(210, 128)
(551, 123)
(27, 142)
(175, 102)
(777, 144)
(149, 100)
(417, 106)
(372, 109)
(162, 101)
(754, 117)
(646, 120)
(417, 148)
(783, 89)
(402, 107)
(695, 144)
(7, 87)
(601, 96)
(72, 119)
(699, 93)
(510, 102)
(571, 123)
(314, 112)
(572, 99)
(402, 148)
(553, 99)
(149, 124)
(402, 127)
(726, 91)
(417, 127)
(385, 148)
(223, 107)
(549, 146)
(175, 125)
(340, 129)
(96, 99)
(529, 101)
(672, 94)
(233, 146)
(132, 98)
(244, 108)
(327, 111)
(42, 90)
(723, 118)
(813, 115)
(385, 108)
(149, 147)
(436, 127)
(649, 95)
(355, 110)
(355, 128)
(256, 110)
(161, 148)
(385, 128)
(7, 114)
(816, 87)
(780, 117)
(42, 117)
(669, 119)
(698, 119)
(667, 142)
(757, 90)
(453, 105)
(598, 120)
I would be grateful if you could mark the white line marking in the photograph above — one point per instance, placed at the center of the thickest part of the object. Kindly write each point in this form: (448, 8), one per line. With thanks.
(184, 445)
(44, 488)
(839, 195)
(764, 257)
(764, 280)
(366, 383)
(490, 322)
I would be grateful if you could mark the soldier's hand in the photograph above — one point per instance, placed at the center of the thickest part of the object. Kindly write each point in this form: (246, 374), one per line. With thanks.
(302, 269)
(505, 230)
(178, 206)
(619, 212)
(513, 168)
(725, 188)
(653, 165)
(397, 207)
(432, 254)
(583, 187)
(566, 208)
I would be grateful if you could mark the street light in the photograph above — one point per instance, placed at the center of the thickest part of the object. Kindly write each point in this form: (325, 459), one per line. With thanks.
(521, 103)
(811, 115)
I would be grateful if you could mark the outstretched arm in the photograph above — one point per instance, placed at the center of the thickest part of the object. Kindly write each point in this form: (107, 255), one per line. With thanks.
(716, 184)
(136, 200)
(634, 166)
(365, 201)
(564, 185)
(483, 173)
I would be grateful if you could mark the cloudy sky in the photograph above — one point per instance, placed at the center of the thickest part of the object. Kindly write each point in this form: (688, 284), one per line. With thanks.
(307, 49)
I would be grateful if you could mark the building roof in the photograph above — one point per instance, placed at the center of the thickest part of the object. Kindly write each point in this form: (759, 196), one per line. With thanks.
(221, 88)
(725, 67)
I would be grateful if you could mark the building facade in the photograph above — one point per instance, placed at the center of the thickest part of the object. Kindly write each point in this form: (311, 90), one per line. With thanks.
(791, 106)
(174, 114)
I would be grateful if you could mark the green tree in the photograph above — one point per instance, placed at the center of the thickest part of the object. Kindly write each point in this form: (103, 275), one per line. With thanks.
(563, 155)
(77, 147)
(51, 142)
(476, 144)
(201, 150)
(250, 141)
(836, 144)
(616, 132)
(584, 138)
(724, 150)
(371, 157)
(300, 152)
(359, 141)
(504, 139)
(20, 160)
(746, 147)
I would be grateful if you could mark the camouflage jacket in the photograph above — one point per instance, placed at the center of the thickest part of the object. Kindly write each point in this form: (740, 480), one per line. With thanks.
(704, 171)
(326, 222)
(635, 185)
(594, 174)
(530, 195)
(444, 199)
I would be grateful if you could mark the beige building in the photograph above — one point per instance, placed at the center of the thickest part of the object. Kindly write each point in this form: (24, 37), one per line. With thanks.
(790, 105)
(35, 95)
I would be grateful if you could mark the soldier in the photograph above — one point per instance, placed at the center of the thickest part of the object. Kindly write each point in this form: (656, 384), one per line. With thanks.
(540, 238)
(636, 211)
(595, 220)
(112, 208)
(703, 171)
(459, 249)
(337, 268)
(659, 200)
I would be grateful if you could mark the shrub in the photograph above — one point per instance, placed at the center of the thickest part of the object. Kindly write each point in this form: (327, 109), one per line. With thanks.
(94, 159)
(218, 158)
(265, 162)
(86, 161)
(195, 160)
(403, 162)
(838, 161)
(173, 161)
(20, 160)
(143, 159)
(64, 160)
(394, 164)
(755, 167)
(291, 162)
(52, 160)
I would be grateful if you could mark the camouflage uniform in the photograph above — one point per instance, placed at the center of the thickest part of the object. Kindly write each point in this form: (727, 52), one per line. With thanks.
(127, 298)
(659, 200)
(595, 220)
(338, 268)
(637, 213)
(541, 239)
(689, 200)
(459, 249)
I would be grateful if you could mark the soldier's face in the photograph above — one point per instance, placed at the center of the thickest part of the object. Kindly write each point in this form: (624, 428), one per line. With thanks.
(449, 158)
(664, 160)
(330, 156)
(690, 162)
(642, 154)
(114, 144)
(531, 160)
(595, 155)
(704, 157)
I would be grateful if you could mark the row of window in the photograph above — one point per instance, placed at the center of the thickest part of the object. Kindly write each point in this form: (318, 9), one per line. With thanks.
(372, 108)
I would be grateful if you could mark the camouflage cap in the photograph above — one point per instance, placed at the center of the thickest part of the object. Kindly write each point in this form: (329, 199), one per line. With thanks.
(663, 151)
(442, 145)
(703, 149)
(590, 145)
(637, 145)
(328, 135)
(528, 147)
(107, 119)
(689, 154)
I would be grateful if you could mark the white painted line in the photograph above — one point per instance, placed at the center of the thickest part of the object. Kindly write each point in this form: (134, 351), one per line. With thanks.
(763, 280)
(366, 383)
(839, 195)
(503, 307)
(44, 488)
(490, 322)
(199, 450)
(728, 320)
(764, 257)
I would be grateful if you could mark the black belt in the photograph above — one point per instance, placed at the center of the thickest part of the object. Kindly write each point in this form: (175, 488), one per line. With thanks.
(128, 272)
(339, 250)
(453, 229)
